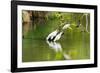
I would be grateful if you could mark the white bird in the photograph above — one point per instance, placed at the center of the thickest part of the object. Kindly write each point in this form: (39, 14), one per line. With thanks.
(56, 35)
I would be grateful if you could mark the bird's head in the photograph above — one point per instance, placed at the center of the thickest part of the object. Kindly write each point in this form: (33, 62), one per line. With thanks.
(66, 26)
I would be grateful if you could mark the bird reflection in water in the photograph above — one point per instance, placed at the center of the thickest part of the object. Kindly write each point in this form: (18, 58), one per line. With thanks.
(58, 48)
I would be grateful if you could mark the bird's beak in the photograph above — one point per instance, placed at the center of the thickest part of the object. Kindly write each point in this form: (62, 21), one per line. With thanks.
(70, 28)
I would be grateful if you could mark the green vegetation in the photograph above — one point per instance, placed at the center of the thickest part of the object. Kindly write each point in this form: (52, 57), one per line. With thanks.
(75, 43)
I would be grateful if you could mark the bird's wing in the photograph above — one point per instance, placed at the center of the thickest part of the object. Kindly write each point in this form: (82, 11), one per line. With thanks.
(58, 36)
(52, 34)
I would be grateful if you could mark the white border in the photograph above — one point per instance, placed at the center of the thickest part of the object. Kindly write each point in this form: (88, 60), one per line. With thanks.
(53, 63)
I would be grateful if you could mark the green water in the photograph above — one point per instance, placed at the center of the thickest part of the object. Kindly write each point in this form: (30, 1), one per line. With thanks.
(73, 45)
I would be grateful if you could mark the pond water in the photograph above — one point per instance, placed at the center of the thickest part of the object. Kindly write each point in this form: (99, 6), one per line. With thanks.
(73, 45)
